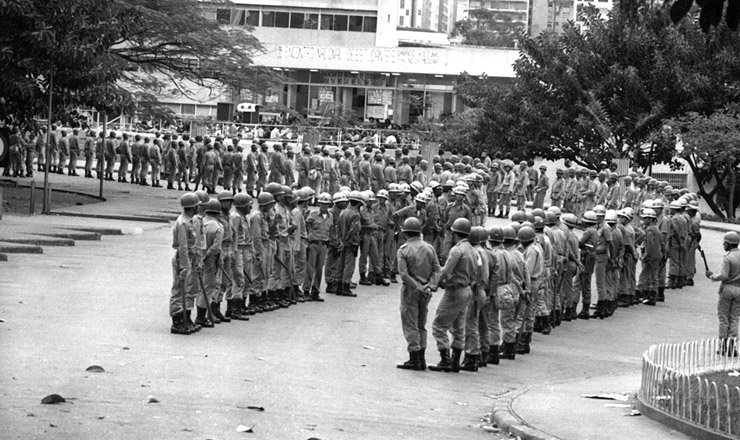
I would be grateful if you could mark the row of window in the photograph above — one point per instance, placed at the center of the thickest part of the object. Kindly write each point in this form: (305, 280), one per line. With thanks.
(297, 20)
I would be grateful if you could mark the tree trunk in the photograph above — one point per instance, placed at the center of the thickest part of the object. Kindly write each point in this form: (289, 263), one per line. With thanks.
(708, 197)
(731, 195)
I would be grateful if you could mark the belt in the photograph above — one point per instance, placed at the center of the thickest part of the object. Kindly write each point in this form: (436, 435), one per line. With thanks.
(735, 284)
(321, 242)
(456, 287)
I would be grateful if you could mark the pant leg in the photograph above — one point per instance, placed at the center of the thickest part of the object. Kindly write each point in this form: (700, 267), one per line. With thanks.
(257, 273)
(273, 280)
(319, 265)
(484, 317)
(210, 279)
(350, 260)
(734, 312)
(299, 260)
(177, 293)
(472, 324)
(237, 274)
(123, 169)
(311, 269)
(600, 272)
(690, 262)
(413, 318)
(676, 258)
(192, 288)
(364, 250)
(331, 271)
(29, 161)
(451, 313)
(375, 266)
(225, 291)
(458, 329)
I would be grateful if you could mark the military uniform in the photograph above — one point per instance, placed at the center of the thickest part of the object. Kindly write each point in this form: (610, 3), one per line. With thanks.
(182, 294)
(349, 239)
(728, 307)
(318, 227)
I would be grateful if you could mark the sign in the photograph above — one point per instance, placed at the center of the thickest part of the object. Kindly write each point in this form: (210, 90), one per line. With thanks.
(326, 94)
(376, 111)
(246, 107)
(387, 97)
(392, 55)
(374, 97)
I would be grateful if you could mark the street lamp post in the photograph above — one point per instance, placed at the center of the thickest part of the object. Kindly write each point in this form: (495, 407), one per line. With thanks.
(47, 151)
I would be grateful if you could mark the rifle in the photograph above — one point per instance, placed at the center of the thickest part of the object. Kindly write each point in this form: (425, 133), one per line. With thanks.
(703, 257)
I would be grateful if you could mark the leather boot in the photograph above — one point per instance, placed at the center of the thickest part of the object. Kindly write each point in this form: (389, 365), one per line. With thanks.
(599, 313)
(470, 363)
(584, 311)
(455, 360)
(413, 363)
(661, 295)
(193, 326)
(282, 298)
(567, 314)
(445, 363)
(179, 327)
(202, 319)
(364, 281)
(671, 282)
(234, 310)
(538, 326)
(688, 281)
(216, 309)
(347, 290)
(331, 287)
(187, 187)
(650, 298)
(493, 355)
(483, 358)
(316, 297)
(510, 350)
(423, 358)
(546, 325)
(556, 318)
(299, 295)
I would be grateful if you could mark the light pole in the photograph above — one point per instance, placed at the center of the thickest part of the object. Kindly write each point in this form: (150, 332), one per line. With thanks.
(47, 151)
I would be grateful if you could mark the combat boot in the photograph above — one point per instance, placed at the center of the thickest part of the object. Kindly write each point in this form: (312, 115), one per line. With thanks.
(546, 325)
(423, 358)
(202, 319)
(538, 324)
(315, 296)
(393, 278)
(455, 360)
(688, 281)
(363, 280)
(584, 311)
(510, 350)
(331, 287)
(671, 282)
(599, 313)
(445, 364)
(623, 301)
(470, 363)
(300, 297)
(650, 298)
(493, 355)
(216, 309)
(483, 359)
(289, 296)
(282, 298)
(179, 327)
(567, 314)
(413, 363)
(661, 295)
(347, 290)
(383, 280)
(194, 328)
(187, 187)
(234, 310)
(557, 318)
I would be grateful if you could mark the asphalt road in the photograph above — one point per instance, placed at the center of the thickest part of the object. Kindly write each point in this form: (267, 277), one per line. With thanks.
(319, 370)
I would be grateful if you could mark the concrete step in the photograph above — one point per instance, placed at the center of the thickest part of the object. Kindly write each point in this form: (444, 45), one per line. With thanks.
(39, 241)
(18, 248)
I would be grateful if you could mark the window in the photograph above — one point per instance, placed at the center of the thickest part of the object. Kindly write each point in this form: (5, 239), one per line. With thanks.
(402, 4)
(297, 19)
(282, 19)
(340, 22)
(253, 18)
(268, 19)
(312, 21)
(188, 109)
(355, 23)
(370, 24)
(223, 16)
(327, 22)
(400, 20)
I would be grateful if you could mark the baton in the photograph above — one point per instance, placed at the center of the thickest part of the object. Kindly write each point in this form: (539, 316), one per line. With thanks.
(703, 257)
(290, 274)
(246, 275)
(520, 333)
(205, 297)
(223, 271)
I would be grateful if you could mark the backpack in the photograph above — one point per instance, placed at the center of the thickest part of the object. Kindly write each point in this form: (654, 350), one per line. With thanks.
(508, 293)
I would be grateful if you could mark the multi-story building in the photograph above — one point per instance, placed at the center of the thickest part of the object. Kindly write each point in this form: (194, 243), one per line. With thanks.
(351, 57)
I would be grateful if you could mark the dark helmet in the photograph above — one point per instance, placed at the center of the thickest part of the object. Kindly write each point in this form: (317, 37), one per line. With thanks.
(525, 234)
(495, 234)
(242, 199)
(461, 226)
(550, 218)
(213, 205)
(538, 212)
(518, 216)
(508, 233)
(265, 198)
(225, 196)
(478, 235)
(274, 188)
(539, 224)
(189, 200)
(515, 226)
(411, 224)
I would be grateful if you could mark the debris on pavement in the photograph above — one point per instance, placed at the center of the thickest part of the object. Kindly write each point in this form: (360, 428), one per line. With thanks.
(633, 413)
(461, 403)
(125, 348)
(51, 399)
(244, 428)
(367, 347)
(489, 428)
(151, 399)
(95, 369)
(607, 396)
(2, 320)
(252, 407)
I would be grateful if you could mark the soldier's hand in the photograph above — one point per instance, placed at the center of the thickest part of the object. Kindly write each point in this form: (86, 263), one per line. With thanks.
(709, 274)
(184, 274)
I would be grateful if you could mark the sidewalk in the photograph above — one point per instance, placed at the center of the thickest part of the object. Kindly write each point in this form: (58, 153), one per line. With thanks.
(558, 411)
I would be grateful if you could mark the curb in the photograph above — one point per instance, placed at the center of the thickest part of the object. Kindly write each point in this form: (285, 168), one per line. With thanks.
(720, 228)
(506, 418)
(14, 248)
(38, 241)
(130, 218)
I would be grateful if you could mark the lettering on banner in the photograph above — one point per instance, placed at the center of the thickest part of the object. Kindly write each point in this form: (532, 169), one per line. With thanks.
(360, 55)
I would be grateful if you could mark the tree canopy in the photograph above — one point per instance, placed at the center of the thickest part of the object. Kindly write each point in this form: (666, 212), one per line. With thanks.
(109, 54)
(597, 93)
(485, 27)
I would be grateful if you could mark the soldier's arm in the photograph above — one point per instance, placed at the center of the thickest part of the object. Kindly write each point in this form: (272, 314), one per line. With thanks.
(450, 264)
(182, 247)
(403, 271)
(436, 271)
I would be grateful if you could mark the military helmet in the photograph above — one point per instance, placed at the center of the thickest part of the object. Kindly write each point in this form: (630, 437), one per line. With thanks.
(647, 204)
(405, 187)
(658, 204)
(478, 235)
(265, 198)
(242, 199)
(589, 217)
(515, 226)
(461, 226)
(383, 194)
(189, 200)
(693, 206)
(538, 224)
(460, 190)
(626, 213)
(394, 188)
(213, 206)
(325, 198)
(731, 237)
(525, 234)
(648, 213)
(421, 198)
(550, 218)
(599, 210)
(570, 219)
(528, 223)
(369, 195)
(529, 216)
(225, 195)
(356, 196)
(203, 196)
(448, 184)
(538, 212)
(411, 224)
(340, 197)
(417, 186)
(611, 216)
(675, 204)
(508, 233)
(274, 188)
(496, 234)
(433, 184)
(518, 216)
(555, 210)
(301, 195)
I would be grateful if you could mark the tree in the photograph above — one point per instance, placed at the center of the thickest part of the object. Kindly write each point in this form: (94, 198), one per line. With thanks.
(102, 53)
(596, 94)
(711, 12)
(711, 147)
(484, 27)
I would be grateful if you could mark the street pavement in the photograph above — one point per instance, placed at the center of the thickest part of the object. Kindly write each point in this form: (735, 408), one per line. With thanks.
(319, 370)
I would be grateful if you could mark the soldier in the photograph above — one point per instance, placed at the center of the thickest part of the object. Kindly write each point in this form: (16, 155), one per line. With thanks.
(389, 172)
(213, 233)
(556, 194)
(678, 245)
(319, 224)
(540, 190)
(288, 166)
(517, 274)
(384, 236)
(535, 262)
(405, 174)
(333, 271)
(458, 209)
(569, 191)
(225, 264)
(378, 176)
(110, 156)
(302, 165)
(652, 254)
(728, 308)
(251, 169)
(327, 171)
(74, 152)
(603, 189)
(243, 259)
(135, 160)
(171, 164)
(349, 241)
(521, 184)
(421, 175)
(491, 344)
(41, 149)
(664, 225)
(587, 245)
(277, 172)
(369, 273)
(299, 243)
(259, 224)
(63, 150)
(436, 173)
(182, 167)
(613, 266)
(183, 266)
(278, 283)
(476, 320)
(125, 156)
(604, 253)
(629, 193)
(571, 266)
(492, 188)
(419, 269)
(209, 168)
(613, 195)
(694, 241)
(262, 169)
(227, 164)
(364, 172)
(627, 272)
(144, 158)
(457, 276)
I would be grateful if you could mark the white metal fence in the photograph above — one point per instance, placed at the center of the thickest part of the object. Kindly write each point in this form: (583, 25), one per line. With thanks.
(674, 381)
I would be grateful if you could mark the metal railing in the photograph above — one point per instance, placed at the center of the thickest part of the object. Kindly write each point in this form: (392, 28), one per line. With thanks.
(691, 381)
